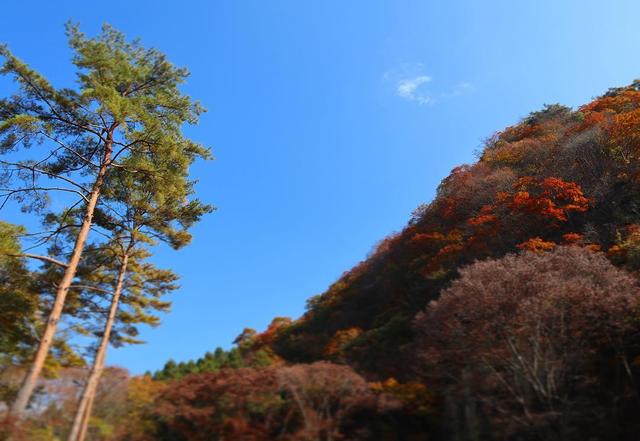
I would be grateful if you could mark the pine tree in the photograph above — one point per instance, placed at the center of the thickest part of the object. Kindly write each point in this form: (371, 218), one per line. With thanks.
(127, 103)
(138, 213)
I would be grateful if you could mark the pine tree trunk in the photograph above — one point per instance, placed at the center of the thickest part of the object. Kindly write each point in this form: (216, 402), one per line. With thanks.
(29, 383)
(85, 420)
(86, 400)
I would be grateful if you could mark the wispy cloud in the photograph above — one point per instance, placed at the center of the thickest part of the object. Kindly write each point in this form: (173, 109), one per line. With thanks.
(412, 83)
(408, 88)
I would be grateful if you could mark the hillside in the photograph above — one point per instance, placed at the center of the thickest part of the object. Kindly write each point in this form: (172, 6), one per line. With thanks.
(558, 177)
(507, 309)
(561, 189)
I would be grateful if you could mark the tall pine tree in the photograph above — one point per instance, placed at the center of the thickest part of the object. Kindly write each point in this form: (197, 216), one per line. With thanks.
(127, 103)
(138, 213)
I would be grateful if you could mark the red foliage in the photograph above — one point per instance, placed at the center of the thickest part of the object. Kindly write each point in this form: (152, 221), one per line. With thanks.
(276, 326)
(571, 238)
(486, 216)
(297, 403)
(234, 404)
(550, 198)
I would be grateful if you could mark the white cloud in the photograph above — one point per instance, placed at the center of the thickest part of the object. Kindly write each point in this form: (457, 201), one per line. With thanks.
(409, 82)
(408, 88)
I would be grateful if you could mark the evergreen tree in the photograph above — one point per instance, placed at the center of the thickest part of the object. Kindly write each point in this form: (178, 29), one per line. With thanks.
(138, 213)
(127, 103)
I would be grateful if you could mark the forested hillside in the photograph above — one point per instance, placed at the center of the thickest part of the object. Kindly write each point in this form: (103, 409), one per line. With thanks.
(561, 191)
(559, 177)
(508, 308)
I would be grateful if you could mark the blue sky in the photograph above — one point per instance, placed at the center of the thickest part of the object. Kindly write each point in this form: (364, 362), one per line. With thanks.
(330, 122)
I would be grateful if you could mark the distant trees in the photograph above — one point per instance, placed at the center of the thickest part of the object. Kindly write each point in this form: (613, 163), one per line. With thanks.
(235, 404)
(530, 343)
(210, 362)
(302, 402)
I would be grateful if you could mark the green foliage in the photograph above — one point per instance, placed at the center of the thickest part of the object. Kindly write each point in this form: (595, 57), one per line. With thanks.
(210, 362)
(18, 304)
(115, 144)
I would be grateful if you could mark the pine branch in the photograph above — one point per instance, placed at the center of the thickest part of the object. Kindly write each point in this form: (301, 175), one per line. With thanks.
(39, 257)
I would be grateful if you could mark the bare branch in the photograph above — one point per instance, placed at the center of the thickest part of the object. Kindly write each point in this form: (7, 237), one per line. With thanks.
(69, 149)
(10, 192)
(39, 257)
(91, 288)
(33, 168)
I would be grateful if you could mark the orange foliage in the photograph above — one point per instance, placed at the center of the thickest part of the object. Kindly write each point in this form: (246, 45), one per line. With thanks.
(341, 339)
(625, 128)
(590, 120)
(572, 237)
(551, 198)
(537, 245)
(486, 216)
(521, 131)
(428, 237)
(614, 251)
(438, 238)
(446, 253)
(415, 397)
(516, 151)
(618, 114)
(623, 101)
(275, 327)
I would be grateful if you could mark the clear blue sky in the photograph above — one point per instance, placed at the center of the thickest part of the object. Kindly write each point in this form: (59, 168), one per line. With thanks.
(330, 121)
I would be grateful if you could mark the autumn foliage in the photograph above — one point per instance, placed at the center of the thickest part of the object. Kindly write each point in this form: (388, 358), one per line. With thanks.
(507, 309)
(318, 401)
(532, 339)
(559, 177)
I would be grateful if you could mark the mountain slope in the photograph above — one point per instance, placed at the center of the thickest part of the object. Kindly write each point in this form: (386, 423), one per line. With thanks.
(559, 176)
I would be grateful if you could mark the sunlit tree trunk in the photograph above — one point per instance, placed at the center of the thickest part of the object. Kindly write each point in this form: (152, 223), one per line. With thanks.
(83, 412)
(85, 420)
(29, 383)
